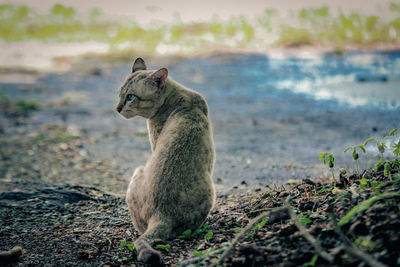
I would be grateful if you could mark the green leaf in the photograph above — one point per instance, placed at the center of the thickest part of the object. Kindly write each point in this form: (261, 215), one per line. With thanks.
(197, 232)
(323, 217)
(347, 149)
(386, 169)
(208, 236)
(260, 225)
(363, 182)
(381, 147)
(322, 156)
(362, 148)
(391, 133)
(312, 262)
(355, 155)
(187, 233)
(395, 162)
(198, 254)
(396, 149)
(331, 160)
(130, 246)
(304, 220)
(164, 247)
(365, 205)
(379, 163)
(369, 140)
(122, 244)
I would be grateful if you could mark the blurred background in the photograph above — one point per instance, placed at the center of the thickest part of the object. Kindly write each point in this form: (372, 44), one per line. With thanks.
(284, 80)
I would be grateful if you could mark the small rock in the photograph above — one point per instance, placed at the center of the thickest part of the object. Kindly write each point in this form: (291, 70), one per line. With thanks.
(83, 255)
(10, 255)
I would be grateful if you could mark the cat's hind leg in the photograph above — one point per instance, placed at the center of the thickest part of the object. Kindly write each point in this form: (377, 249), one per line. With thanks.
(133, 200)
(156, 230)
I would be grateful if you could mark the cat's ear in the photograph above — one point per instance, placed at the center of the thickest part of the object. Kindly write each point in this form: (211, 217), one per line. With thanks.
(159, 77)
(138, 65)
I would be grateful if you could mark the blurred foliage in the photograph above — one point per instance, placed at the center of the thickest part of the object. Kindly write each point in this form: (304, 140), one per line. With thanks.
(307, 27)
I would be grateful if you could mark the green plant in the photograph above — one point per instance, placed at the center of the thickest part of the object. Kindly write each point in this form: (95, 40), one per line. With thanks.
(257, 228)
(381, 146)
(126, 250)
(312, 262)
(163, 247)
(208, 236)
(363, 182)
(396, 148)
(26, 105)
(207, 253)
(303, 219)
(198, 254)
(324, 189)
(365, 205)
(355, 154)
(328, 159)
(186, 234)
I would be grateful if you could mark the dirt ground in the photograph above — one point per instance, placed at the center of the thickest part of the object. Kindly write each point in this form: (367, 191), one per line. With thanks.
(84, 226)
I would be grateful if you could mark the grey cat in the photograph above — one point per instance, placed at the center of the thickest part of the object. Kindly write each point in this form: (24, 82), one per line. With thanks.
(174, 191)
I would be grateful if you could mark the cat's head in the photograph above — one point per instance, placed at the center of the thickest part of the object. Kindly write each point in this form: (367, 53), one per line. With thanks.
(142, 92)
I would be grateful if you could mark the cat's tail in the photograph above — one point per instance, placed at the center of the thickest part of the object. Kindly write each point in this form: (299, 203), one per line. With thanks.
(156, 229)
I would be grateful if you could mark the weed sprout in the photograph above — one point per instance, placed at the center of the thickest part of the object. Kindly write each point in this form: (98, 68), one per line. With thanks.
(355, 154)
(330, 162)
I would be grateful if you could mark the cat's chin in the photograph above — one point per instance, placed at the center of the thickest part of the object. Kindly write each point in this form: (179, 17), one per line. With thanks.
(127, 116)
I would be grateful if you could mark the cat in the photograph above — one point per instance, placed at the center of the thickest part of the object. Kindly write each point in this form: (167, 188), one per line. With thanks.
(174, 190)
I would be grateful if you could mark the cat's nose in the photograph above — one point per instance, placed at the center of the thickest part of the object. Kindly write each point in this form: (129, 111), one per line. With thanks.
(118, 109)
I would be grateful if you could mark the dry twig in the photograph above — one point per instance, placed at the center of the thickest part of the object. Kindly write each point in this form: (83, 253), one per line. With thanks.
(276, 212)
(308, 236)
(350, 249)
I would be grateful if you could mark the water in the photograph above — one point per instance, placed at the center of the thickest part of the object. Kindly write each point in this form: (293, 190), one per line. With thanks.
(354, 79)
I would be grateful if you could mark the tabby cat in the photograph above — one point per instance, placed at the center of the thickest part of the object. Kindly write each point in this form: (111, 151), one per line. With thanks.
(173, 191)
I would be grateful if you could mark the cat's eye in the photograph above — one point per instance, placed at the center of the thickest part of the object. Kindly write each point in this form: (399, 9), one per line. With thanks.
(130, 97)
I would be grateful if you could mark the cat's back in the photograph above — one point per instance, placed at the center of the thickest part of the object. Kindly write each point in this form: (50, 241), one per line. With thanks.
(184, 159)
(186, 140)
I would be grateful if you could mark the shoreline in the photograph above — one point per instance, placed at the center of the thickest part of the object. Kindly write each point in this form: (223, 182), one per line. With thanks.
(37, 56)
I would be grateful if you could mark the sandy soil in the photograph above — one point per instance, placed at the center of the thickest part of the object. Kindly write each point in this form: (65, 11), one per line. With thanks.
(263, 135)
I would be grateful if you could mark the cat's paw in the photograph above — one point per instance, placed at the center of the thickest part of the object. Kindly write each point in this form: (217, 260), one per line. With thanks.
(150, 256)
